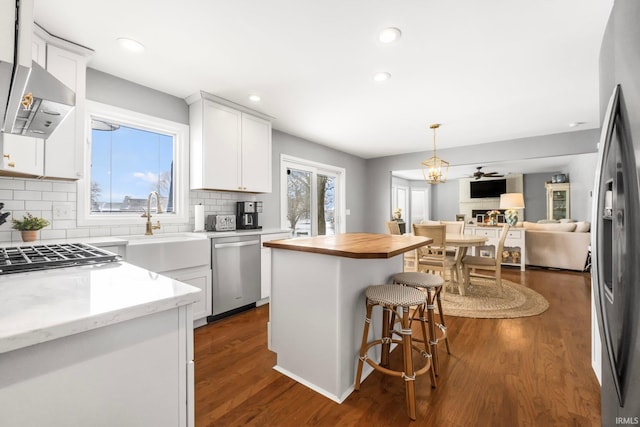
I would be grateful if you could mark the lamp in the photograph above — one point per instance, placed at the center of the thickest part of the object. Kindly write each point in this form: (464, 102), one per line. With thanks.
(434, 169)
(511, 202)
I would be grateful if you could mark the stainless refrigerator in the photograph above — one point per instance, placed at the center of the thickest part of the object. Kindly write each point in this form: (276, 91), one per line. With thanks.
(615, 238)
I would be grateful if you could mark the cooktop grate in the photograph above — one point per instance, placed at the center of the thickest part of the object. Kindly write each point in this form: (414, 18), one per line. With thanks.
(43, 257)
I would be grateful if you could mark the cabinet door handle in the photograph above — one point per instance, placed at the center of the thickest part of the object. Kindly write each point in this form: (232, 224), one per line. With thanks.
(7, 156)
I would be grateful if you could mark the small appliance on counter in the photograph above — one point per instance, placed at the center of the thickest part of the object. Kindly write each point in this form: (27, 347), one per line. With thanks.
(221, 223)
(247, 215)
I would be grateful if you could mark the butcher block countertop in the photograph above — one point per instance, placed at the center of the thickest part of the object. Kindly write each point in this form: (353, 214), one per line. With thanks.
(353, 245)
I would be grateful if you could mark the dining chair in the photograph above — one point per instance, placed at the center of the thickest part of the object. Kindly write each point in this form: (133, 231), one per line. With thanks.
(433, 257)
(453, 227)
(493, 264)
(393, 227)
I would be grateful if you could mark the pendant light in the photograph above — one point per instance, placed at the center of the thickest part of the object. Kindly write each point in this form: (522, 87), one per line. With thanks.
(435, 169)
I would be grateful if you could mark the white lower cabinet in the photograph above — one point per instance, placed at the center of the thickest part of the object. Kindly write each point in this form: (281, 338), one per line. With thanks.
(265, 262)
(200, 278)
(186, 261)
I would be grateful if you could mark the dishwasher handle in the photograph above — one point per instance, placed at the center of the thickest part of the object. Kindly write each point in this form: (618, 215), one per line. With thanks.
(236, 244)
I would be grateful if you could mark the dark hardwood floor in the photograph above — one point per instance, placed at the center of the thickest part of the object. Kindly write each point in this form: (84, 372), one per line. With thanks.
(533, 371)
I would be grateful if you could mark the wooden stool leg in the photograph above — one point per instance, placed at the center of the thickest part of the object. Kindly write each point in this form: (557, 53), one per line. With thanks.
(363, 346)
(386, 337)
(438, 299)
(423, 322)
(433, 341)
(409, 377)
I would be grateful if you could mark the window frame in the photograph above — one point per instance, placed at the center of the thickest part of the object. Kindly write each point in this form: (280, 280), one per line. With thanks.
(315, 168)
(180, 133)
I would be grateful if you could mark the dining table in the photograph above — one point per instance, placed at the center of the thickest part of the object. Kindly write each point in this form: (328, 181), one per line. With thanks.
(463, 242)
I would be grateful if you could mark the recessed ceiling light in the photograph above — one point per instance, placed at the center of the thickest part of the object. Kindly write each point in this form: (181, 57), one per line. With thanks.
(254, 98)
(574, 124)
(130, 44)
(381, 76)
(389, 35)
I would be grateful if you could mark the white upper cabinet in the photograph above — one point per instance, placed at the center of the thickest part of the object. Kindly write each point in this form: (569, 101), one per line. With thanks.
(21, 155)
(61, 155)
(230, 146)
(64, 150)
(256, 154)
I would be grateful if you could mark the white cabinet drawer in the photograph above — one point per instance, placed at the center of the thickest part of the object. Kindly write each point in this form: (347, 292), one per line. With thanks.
(514, 234)
(487, 232)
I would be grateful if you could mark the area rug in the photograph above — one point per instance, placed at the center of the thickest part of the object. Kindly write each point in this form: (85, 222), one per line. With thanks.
(483, 302)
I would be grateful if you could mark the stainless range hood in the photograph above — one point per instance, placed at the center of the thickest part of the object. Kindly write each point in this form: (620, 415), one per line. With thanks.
(36, 102)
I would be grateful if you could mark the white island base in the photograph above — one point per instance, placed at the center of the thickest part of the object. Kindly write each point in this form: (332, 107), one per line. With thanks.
(128, 374)
(317, 316)
(99, 345)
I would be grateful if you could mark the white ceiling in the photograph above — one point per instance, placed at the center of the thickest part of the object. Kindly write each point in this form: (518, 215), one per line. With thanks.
(487, 70)
(539, 165)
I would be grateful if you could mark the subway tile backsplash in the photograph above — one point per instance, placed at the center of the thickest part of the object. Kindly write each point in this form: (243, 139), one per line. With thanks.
(56, 201)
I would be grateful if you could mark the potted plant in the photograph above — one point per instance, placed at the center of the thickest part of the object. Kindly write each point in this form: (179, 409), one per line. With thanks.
(29, 226)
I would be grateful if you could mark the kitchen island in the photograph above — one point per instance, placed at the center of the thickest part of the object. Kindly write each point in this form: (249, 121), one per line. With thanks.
(317, 306)
(100, 345)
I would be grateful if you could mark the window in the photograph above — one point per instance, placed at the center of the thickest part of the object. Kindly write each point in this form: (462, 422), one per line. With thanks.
(130, 155)
(312, 197)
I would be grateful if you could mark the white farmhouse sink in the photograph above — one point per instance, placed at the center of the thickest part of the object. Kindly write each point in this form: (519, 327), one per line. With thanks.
(166, 252)
(142, 239)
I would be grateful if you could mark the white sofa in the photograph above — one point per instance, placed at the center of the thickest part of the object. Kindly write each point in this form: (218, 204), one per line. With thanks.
(560, 245)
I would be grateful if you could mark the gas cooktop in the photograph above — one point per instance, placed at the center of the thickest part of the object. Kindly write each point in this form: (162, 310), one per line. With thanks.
(19, 259)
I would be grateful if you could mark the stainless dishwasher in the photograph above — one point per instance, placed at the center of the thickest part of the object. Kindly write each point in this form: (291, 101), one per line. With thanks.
(236, 274)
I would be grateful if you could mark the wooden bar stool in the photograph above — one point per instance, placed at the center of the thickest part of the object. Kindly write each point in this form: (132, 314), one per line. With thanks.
(431, 285)
(391, 298)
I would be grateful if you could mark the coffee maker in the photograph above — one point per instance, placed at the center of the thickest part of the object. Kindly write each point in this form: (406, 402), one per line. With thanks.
(247, 215)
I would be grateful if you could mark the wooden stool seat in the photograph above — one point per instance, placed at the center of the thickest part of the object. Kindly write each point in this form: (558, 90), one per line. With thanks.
(431, 285)
(391, 298)
(418, 279)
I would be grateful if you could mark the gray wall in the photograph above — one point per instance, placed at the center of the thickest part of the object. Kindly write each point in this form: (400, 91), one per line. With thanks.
(369, 181)
(111, 90)
(284, 143)
(445, 200)
(535, 195)
(378, 170)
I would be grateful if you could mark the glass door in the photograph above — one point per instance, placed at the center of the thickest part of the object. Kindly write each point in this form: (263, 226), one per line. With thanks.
(326, 204)
(313, 204)
(298, 211)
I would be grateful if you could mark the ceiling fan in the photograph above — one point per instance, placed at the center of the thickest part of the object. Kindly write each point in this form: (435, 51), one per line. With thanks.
(480, 174)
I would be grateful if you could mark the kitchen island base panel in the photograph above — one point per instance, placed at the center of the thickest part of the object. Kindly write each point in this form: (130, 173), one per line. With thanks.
(316, 314)
(134, 373)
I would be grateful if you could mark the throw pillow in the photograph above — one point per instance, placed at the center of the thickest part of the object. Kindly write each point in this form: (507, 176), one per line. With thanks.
(583, 226)
(568, 227)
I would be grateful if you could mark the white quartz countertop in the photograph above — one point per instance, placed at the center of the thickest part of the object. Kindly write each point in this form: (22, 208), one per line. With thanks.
(138, 238)
(37, 307)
